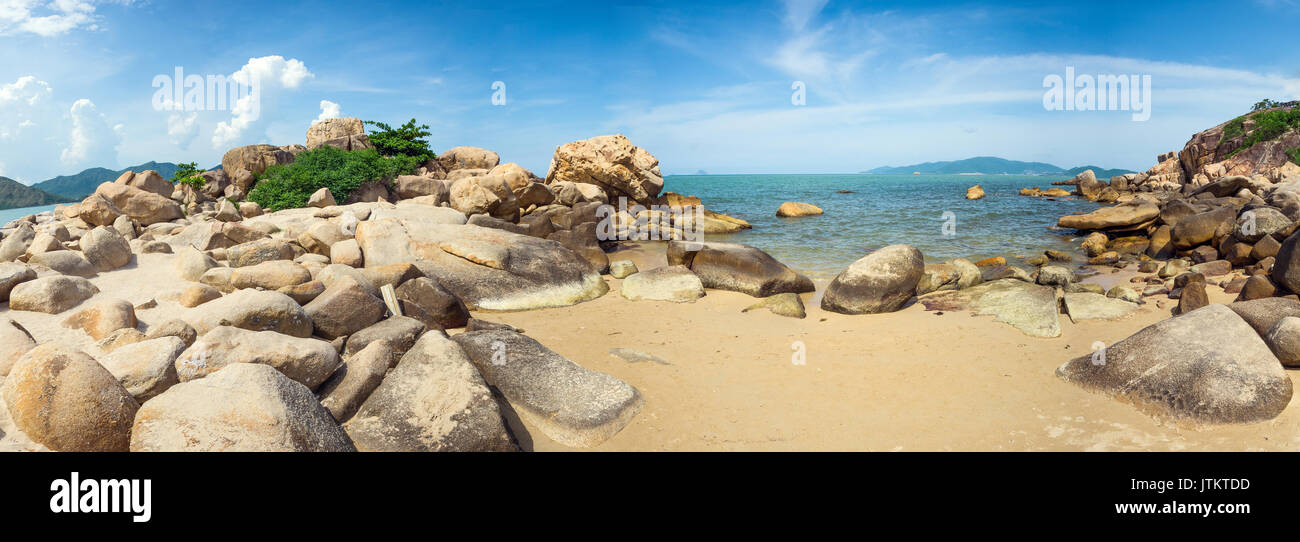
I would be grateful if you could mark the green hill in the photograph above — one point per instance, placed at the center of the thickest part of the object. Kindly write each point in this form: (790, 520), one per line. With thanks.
(83, 184)
(14, 195)
(991, 165)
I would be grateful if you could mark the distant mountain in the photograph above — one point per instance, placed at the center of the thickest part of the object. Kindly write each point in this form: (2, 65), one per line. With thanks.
(990, 165)
(14, 194)
(83, 184)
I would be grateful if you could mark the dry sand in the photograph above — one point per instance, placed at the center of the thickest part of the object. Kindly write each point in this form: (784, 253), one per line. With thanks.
(906, 381)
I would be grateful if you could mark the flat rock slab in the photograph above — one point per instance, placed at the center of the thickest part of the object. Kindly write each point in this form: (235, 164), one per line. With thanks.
(574, 406)
(1028, 307)
(1089, 306)
(1207, 366)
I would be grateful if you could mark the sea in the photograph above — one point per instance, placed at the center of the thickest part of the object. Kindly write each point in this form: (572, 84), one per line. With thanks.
(880, 210)
(883, 210)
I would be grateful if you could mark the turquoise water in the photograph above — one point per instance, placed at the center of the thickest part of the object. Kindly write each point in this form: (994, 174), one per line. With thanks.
(884, 210)
(10, 214)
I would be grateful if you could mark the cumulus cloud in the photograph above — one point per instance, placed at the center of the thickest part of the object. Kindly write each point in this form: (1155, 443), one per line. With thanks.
(268, 77)
(49, 18)
(182, 129)
(92, 141)
(328, 110)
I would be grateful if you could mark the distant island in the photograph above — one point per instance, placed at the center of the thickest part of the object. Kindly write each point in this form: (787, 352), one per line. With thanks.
(15, 195)
(991, 165)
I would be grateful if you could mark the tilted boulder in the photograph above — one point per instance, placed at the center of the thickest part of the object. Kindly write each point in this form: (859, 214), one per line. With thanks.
(468, 158)
(1207, 366)
(306, 361)
(1115, 218)
(146, 368)
(105, 249)
(738, 268)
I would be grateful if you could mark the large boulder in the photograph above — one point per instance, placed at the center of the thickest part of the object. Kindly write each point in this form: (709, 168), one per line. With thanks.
(1205, 366)
(612, 163)
(190, 264)
(262, 250)
(146, 368)
(254, 310)
(399, 332)
(354, 381)
(347, 133)
(68, 402)
(485, 268)
(574, 406)
(738, 268)
(16, 242)
(270, 275)
(105, 249)
(468, 158)
(149, 181)
(434, 400)
(879, 282)
(241, 408)
(416, 186)
(424, 299)
(1258, 223)
(1286, 267)
(1118, 217)
(343, 309)
(51, 295)
(142, 206)
(66, 262)
(484, 194)
(796, 209)
(1091, 306)
(306, 361)
(103, 318)
(1204, 227)
(673, 283)
(1262, 314)
(241, 163)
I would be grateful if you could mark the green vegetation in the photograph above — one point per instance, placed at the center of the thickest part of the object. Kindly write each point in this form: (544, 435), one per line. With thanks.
(14, 194)
(189, 175)
(1233, 129)
(289, 186)
(1265, 104)
(1295, 155)
(1268, 126)
(405, 140)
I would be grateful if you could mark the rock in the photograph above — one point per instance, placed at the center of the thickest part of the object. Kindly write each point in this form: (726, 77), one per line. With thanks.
(144, 207)
(485, 194)
(321, 198)
(967, 273)
(781, 304)
(68, 402)
(254, 310)
(572, 405)
(1215, 268)
(427, 301)
(1105, 258)
(882, 281)
(484, 267)
(936, 277)
(534, 193)
(1090, 306)
(15, 243)
(347, 252)
(1058, 256)
(190, 264)
(15, 341)
(796, 209)
(354, 381)
(611, 162)
(1117, 217)
(975, 192)
(248, 209)
(1284, 340)
(1193, 297)
(146, 368)
(13, 274)
(1203, 228)
(622, 269)
(270, 275)
(738, 268)
(1257, 287)
(1173, 268)
(253, 159)
(673, 283)
(1030, 308)
(243, 407)
(173, 328)
(105, 249)
(51, 295)
(117, 339)
(400, 332)
(347, 133)
(1162, 245)
(344, 308)
(97, 210)
(227, 212)
(103, 318)
(1286, 270)
(255, 252)
(1258, 223)
(1125, 293)
(1266, 247)
(582, 239)
(1262, 314)
(434, 400)
(1094, 244)
(198, 294)
(1206, 366)
(415, 186)
(1204, 254)
(303, 293)
(306, 361)
(468, 158)
(1052, 275)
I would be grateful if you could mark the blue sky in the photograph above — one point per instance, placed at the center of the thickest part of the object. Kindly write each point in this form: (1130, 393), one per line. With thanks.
(703, 86)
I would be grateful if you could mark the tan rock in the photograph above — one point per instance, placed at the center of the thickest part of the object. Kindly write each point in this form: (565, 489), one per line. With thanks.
(103, 318)
(68, 402)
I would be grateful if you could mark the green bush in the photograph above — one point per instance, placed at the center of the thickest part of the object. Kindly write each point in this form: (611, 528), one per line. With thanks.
(1268, 126)
(405, 140)
(289, 186)
(1295, 155)
(189, 175)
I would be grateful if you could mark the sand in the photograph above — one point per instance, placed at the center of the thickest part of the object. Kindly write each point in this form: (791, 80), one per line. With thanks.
(907, 381)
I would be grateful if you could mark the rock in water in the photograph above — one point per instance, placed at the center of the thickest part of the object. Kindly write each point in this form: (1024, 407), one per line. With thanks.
(673, 283)
(879, 282)
(306, 361)
(796, 209)
(737, 268)
(1207, 366)
(68, 402)
(975, 192)
(433, 401)
(241, 408)
(574, 406)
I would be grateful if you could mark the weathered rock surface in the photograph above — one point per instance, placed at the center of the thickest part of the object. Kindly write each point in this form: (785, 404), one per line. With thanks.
(1028, 307)
(15, 341)
(1089, 306)
(102, 318)
(738, 268)
(344, 308)
(673, 283)
(68, 402)
(254, 310)
(51, 295)
(146, 368)
(796, 209)
(105, 249)
(355, 380)
(882, 281)
(612, 163)
(306, 361)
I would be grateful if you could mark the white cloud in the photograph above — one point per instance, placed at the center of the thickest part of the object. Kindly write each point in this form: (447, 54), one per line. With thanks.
(328, 110)
(49, 18)
(270, 76)
(26, 89)
(182, 129)
(92, 141)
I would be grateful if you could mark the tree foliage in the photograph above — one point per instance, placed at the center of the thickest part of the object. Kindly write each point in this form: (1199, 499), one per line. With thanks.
(405, 140)
(289, 186)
